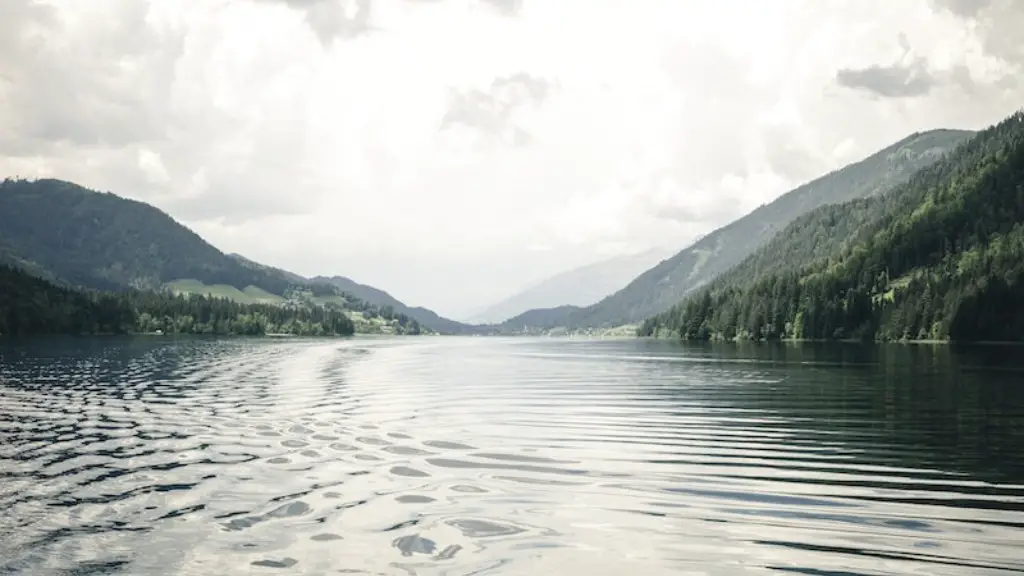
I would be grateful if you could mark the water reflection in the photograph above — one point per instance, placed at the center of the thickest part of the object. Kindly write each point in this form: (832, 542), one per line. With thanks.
(471, 456)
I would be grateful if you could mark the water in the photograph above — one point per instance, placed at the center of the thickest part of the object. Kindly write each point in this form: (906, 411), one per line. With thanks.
(505, 456)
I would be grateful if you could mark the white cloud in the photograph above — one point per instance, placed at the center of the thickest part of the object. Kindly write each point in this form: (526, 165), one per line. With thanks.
(153, 167)
(433, 147)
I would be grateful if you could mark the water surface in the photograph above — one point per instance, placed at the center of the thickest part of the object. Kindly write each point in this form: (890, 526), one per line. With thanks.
(508, 456)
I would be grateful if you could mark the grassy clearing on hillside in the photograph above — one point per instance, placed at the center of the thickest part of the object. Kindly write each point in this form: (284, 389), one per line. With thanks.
(325, 300)
(251, 294)
(254, 295)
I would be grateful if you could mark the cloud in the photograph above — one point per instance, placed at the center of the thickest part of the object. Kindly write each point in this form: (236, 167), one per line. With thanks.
(54, 93)
(492, 111)
(426, 146)
(909, 77)
(968, 8)
(507, 7)
(331, 19)
(892, 81)
(998, 23)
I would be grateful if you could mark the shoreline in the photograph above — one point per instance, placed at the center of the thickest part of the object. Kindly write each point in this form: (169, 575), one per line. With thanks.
(914, 342)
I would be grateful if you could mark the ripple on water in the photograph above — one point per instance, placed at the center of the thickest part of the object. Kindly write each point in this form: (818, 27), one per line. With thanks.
(523, 456)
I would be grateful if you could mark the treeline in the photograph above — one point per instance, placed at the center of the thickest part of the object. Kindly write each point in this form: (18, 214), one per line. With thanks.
(940, 257)
(30, 305)
(401, 323)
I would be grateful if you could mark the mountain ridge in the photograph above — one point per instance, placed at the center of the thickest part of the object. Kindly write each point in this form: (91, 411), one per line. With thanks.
(579, 287)
(940, 257)
(665, 284)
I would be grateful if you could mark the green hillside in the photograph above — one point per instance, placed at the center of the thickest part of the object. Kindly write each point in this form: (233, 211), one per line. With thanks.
(939, 257)
(248, 295)
(76, 237)
(665, 284)
(103, 241)
(32, 305)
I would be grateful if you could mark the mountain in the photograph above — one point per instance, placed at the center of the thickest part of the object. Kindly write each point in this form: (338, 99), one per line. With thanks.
(939, 257)
(103, 241)
(538, 320)
(667, 283)
(68, 234)
(582, 286)
(253, 265)
(376, 296)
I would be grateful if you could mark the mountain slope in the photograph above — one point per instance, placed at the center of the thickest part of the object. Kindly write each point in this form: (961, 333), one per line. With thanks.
(69, 234)
(581, 286)
(665, 284)
(939, 257)
(379, 297)
(293, 277)
(103, 241)
(538, 320)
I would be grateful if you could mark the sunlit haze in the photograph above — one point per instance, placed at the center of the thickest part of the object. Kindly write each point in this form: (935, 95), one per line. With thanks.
(453, 152)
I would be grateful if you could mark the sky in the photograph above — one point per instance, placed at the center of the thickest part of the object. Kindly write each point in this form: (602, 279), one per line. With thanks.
(453, 152)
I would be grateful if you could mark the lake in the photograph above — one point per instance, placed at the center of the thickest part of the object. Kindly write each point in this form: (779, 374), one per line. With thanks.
(144, 456)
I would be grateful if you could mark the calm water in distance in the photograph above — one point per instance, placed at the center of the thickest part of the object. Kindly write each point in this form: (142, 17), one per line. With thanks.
(508, 456)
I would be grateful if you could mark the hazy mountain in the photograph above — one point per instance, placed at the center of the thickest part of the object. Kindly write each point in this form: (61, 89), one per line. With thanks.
(539, 319)
(425, 317)
(667, 283)
(581, 286)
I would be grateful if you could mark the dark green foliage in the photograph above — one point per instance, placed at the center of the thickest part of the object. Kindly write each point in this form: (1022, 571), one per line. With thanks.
(940, 257)
(30, 305)
(664, 285)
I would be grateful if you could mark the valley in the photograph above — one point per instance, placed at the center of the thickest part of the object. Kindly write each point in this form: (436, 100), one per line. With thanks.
(811, 264)
(81, 239)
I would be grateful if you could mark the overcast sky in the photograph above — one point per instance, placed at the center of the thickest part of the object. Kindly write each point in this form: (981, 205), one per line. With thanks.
(454, 151)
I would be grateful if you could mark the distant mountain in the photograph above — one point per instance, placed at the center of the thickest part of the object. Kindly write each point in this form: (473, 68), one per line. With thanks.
(425, 317)
(938, 257)
(74, 236)
(667, 283)
(539, 319)
(581, 286)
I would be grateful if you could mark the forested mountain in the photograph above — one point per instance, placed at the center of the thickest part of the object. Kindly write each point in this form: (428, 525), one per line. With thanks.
(382, 299)
(70, 235)
(538, 320)
(581, 286)
(941, 256)
(103, 241)
(31, 305)
(291, 276)
(665, 284)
